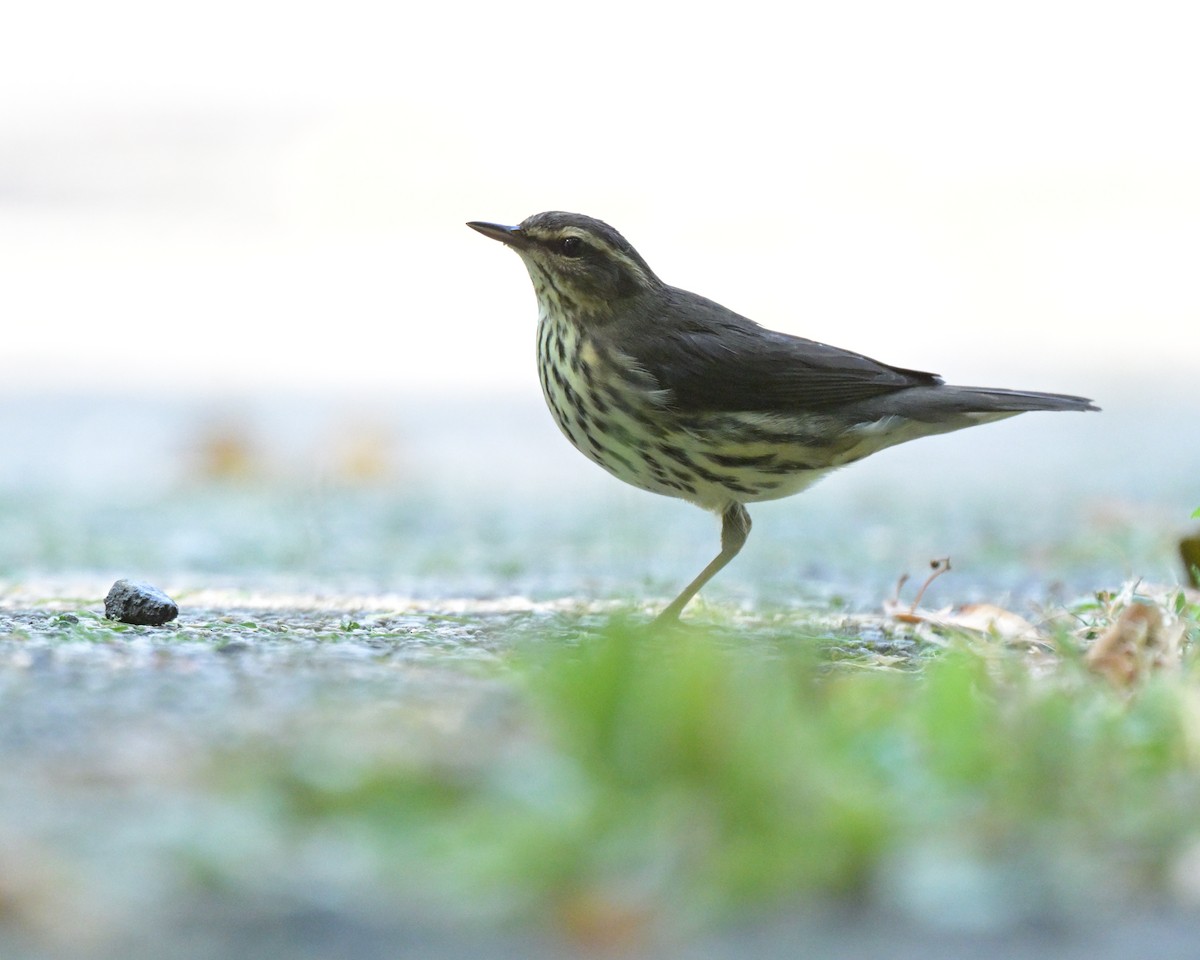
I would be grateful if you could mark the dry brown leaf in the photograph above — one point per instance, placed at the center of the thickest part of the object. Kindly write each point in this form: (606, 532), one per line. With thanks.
(990, 619)
(1138, 641)
(981, 618)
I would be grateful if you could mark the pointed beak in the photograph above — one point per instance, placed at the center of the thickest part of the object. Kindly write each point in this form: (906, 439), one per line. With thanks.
(512, 236)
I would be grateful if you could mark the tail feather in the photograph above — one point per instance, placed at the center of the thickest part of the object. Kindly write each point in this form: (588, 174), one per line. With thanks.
(934, 403)
(986, 400)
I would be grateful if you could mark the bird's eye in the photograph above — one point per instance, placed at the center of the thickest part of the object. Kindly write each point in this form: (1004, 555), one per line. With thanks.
(571, 247)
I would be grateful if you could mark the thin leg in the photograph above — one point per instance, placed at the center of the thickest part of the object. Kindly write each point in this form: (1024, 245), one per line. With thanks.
(735, 528)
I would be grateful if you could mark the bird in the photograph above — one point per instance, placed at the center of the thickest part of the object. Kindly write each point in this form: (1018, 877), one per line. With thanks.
(678, 395)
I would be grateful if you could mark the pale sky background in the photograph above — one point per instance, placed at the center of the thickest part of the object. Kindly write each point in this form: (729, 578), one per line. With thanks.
(257, 194)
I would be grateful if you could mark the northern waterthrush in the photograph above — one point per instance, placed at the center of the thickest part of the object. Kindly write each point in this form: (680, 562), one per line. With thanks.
(678, 395)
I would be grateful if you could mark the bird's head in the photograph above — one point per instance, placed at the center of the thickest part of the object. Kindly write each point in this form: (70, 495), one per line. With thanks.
(579, 266)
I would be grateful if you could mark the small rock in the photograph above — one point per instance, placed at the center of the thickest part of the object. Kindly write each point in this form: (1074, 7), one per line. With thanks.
(131, 601)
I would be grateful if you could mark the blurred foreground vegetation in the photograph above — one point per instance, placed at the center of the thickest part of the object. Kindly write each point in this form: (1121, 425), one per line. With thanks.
(570, 772)
(637, 782)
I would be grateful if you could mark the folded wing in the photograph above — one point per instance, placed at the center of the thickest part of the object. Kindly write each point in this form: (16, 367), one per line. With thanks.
(709, 358)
